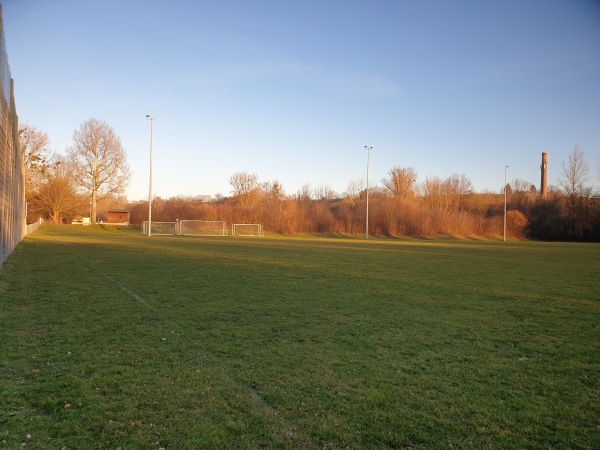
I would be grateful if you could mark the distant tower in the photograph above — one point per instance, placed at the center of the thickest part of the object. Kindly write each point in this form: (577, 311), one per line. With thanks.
(544, 169)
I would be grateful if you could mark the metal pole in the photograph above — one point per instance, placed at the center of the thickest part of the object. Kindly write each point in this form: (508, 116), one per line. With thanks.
(94, 191)
(150, 183)
(368, 149)
(505, 167)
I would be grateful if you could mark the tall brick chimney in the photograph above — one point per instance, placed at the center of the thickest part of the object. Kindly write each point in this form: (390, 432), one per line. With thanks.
(544, 169)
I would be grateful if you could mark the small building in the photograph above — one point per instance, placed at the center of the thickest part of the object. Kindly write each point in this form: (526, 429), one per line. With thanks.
(120, 216)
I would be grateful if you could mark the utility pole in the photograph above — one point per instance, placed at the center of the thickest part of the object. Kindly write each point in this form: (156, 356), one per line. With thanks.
(368, 149)
(150, 183)
(505, 167)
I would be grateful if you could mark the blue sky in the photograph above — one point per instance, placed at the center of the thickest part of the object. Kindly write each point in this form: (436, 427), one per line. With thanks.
(294, 90)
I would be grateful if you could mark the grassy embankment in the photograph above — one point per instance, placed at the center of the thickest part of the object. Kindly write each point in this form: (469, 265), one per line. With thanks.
(111, 339)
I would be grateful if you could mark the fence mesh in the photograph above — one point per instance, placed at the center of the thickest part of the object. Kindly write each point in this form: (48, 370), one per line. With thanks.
(12, 178)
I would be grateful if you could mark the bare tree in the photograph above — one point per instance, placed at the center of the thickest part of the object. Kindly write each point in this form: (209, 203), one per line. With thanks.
(401, 182)
(575, 173)
(35, 148)
(457, 186)
(56, 196)
(460, 184)
(574, 179)
(274, 190)
(246, 188)
(323, 192)
(521, 195)
(304, 192)
(445, 196)
(434, 195)
(99, 161)
(354, 188)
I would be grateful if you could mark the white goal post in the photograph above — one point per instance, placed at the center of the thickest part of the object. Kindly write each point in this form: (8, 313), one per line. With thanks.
(247, 229)
(202, 227)
(160, 228)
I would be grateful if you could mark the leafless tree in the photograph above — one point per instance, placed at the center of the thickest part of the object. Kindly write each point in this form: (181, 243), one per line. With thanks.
(457, 186)
(354, 188)
(272, 206)
(401, 182)
(574, 179)
(323, 192)
(246, 188)
(304, 193)
(99, 161)
(56, 197)
(575, 173)
(460, 184)
(274, 190)
(434, 195)
(519, 185)
(35, 148)
(445, 196)
(521, 195)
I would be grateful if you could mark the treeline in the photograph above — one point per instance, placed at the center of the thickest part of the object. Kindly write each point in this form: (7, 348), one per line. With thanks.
(481, 215)
(346, 216)
(91, 179)
(433, 208)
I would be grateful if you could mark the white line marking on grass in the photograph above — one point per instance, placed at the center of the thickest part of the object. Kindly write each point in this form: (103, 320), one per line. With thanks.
(138, 298)
(272, 414)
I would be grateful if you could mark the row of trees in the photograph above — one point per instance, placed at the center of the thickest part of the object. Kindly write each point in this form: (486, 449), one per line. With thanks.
(402, 207)
(388, 216)
(60, 187)
(91, 178)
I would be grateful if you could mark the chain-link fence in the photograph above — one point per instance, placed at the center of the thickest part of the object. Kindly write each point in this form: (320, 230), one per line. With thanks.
(12, 179)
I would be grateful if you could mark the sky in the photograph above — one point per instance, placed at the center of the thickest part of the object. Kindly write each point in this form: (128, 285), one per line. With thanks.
(293, 91)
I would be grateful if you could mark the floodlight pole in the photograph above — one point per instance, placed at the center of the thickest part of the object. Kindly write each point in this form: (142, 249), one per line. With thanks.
(368, 149)
(505, 167)
(150, 183)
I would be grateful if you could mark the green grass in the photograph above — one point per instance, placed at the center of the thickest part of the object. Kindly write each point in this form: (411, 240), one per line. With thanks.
(180, 342)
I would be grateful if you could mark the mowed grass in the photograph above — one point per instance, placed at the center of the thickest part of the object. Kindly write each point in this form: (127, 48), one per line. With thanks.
(111, 339)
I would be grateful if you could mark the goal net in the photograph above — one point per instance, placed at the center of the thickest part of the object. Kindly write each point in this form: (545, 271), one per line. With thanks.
(160, 228)
(247, 229)
(202, 227)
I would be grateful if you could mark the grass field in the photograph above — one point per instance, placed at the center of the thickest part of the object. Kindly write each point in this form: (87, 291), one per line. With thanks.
(111, 339)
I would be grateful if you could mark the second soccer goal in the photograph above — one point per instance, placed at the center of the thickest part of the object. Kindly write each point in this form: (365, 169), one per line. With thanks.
(247, 229)
(202, 227)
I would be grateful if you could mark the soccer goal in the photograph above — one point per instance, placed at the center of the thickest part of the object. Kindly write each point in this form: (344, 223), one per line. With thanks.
(160, 228)
(247, 229)
(203, 227)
